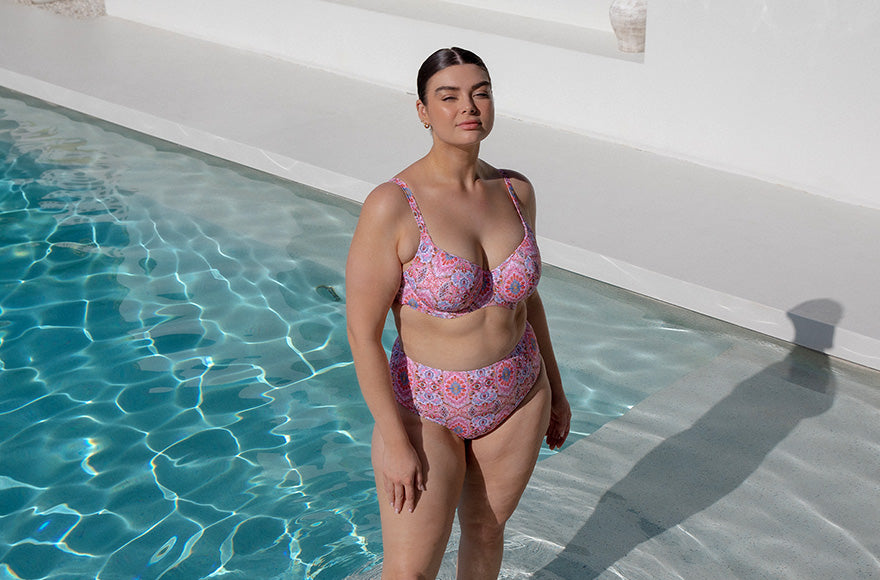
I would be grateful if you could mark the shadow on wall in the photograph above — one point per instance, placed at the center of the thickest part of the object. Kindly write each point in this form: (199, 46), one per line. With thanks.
(692, 470)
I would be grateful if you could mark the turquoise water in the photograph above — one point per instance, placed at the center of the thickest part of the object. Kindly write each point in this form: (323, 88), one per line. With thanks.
(178, 398)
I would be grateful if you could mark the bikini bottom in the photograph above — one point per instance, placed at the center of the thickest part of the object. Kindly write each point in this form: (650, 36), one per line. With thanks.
(469, 403)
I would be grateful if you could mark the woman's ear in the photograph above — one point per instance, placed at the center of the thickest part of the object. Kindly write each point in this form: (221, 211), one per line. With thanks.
(422, 111)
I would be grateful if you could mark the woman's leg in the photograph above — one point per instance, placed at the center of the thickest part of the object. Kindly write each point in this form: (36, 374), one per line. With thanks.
(414, 543)
(499, 466)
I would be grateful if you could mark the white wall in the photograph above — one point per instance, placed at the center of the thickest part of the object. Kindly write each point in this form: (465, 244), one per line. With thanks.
(785, 90)
(585, 13)
(782, 90)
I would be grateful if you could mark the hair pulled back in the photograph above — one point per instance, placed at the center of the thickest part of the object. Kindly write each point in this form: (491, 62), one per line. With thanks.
(443, 58)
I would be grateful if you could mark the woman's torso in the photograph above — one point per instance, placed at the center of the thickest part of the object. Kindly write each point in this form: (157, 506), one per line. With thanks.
(470, 261)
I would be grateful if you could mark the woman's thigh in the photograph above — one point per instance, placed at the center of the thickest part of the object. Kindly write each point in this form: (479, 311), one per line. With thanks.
(415, 542)
(500, 463)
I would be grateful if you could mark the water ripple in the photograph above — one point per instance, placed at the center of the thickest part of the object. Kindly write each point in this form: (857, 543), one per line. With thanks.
(150, 360)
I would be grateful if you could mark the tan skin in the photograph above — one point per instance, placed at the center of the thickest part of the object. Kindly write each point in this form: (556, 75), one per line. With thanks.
(423, 470)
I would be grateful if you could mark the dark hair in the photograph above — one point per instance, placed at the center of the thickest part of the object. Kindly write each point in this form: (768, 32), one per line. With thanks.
(445, 57)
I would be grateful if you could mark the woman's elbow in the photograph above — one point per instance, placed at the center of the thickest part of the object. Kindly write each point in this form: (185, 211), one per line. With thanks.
(360, 335)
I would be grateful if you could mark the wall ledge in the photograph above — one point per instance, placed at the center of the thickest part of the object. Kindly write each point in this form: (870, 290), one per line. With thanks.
(558, 35)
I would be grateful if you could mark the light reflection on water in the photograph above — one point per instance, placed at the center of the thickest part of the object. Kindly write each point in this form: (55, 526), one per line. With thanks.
(178, 394)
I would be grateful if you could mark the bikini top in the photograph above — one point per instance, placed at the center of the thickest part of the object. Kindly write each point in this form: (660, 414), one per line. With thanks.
(447, 286)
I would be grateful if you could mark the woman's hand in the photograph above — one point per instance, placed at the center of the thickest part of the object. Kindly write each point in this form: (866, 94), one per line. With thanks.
(404, 480)
(560, 421)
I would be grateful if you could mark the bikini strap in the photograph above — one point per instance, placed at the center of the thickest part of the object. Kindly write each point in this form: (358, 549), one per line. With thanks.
(412, 203)
(513, 196)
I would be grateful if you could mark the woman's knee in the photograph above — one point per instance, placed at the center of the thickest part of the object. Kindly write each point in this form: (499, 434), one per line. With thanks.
(393, 571)
(486, 530)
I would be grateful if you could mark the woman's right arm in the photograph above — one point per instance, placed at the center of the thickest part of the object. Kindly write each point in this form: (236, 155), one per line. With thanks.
(372, 276)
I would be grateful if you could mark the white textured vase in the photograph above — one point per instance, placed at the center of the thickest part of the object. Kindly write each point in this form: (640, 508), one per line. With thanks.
(628, 18)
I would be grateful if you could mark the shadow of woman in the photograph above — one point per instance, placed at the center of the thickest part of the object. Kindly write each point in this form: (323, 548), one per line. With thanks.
(695, 468)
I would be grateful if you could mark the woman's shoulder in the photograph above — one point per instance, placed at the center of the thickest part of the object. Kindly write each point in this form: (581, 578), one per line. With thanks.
(516, 178)
(386, 203)
(522, 187)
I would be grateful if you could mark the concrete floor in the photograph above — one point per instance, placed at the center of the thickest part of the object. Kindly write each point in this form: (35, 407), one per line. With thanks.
(761, 464)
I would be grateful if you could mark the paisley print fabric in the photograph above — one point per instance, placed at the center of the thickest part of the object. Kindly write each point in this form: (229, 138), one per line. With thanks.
(470, 403)
(446, 286)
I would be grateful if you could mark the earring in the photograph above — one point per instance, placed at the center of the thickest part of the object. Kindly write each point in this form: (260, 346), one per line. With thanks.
(427, 125)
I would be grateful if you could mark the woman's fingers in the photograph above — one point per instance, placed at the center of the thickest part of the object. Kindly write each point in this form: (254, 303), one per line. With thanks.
(552, 437)
(411, 492)
(390, 492)
(409, 503)
(404, 495)
(401, 497)
(557, 432)
(420, 480)
(404, 479)
(560, 423)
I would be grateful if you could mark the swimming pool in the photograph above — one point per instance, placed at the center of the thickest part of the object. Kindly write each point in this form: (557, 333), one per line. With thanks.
(178, 394)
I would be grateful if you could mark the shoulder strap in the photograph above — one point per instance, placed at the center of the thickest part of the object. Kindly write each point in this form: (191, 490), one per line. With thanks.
(412, 203)
(513, 196)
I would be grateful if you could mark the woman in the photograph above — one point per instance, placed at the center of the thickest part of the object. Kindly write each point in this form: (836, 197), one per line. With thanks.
(472, 386)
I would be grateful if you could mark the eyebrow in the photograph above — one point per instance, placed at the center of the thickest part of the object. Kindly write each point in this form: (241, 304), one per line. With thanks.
(451, 88)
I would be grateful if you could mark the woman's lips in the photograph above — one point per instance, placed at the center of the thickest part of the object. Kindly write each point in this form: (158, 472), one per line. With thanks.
(470, 125)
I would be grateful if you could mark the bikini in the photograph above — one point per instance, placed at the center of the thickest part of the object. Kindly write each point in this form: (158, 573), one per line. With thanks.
(471, 403)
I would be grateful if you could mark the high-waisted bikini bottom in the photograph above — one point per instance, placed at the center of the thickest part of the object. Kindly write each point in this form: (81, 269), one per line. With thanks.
(470, 403)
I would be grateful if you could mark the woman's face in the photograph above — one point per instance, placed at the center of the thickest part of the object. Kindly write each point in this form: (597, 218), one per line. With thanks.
(458, 104)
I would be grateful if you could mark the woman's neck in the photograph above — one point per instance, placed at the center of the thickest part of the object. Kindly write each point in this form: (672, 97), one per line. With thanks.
(455, 165)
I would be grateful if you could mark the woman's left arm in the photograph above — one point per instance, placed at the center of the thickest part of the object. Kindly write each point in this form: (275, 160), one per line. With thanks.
(560, 411)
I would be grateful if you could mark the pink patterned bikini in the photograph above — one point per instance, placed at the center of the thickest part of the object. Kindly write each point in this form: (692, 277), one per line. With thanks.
(474, 402)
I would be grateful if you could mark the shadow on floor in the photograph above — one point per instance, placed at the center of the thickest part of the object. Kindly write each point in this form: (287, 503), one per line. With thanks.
(695, 468)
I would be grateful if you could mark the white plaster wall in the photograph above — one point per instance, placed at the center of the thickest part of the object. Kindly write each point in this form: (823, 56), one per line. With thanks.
(585, 13)
(782, 90)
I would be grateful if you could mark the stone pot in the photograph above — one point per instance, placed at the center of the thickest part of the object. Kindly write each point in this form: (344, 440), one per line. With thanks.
(628, 18)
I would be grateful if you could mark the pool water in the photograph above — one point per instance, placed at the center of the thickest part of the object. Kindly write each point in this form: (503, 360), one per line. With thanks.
(178, 397)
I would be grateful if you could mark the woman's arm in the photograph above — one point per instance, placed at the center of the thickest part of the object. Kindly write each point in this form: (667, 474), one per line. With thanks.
(560, 411)
(372, 277)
